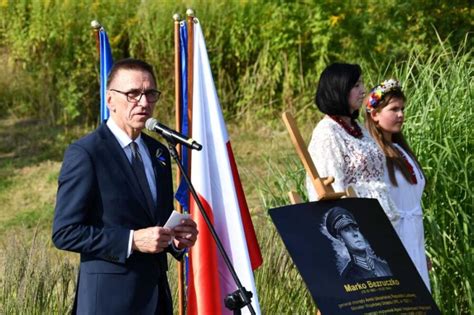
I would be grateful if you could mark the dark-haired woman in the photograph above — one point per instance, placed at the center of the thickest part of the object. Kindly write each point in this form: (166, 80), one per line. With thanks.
(339, 146)
(384, 120)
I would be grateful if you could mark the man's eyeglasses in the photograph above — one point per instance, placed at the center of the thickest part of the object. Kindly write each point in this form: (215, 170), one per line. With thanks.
(134, 96)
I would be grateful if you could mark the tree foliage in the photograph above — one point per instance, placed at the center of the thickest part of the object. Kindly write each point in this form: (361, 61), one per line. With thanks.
(265, 55)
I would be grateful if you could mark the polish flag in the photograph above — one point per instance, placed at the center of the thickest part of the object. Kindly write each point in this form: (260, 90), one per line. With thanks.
(215, 177)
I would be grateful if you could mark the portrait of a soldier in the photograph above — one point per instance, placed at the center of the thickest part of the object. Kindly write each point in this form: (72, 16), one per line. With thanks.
(363, 263)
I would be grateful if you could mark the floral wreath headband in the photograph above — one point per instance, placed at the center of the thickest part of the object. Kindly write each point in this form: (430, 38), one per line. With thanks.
(377, 93)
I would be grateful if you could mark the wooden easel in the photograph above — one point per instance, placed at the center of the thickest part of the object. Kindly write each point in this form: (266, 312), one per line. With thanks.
(323, 185)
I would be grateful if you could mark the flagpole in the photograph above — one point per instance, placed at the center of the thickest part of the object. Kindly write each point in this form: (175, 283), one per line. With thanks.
(177, 92)
(240, 298)
(190, 27)
(189, 86)
(96, 27)
(189, 68)
(177, 76)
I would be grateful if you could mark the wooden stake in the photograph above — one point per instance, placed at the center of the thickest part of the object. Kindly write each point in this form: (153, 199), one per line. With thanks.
(323, 186)
(294, 198)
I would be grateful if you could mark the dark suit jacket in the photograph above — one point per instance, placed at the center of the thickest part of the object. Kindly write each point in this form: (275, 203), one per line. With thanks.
(98, 202)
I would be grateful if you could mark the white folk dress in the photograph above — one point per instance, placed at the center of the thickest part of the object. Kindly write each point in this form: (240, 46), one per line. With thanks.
(407, 198)
(351, 161)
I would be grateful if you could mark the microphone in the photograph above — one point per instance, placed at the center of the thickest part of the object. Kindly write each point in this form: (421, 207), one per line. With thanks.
(153, 125)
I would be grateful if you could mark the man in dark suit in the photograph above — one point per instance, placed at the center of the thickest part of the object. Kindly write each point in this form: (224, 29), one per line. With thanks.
(342, 225)
(114, 196)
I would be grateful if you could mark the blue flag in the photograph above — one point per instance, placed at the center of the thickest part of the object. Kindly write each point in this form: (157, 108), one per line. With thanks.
(182, 194)
(106, 63)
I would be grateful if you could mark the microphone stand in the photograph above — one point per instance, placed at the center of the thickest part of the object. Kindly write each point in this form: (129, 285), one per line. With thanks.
(234, 301)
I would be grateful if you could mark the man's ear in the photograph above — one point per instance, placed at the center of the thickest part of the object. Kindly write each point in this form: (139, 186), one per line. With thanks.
(109, 102)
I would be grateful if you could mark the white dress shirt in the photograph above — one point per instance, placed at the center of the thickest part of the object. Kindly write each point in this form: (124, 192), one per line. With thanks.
(124, 141)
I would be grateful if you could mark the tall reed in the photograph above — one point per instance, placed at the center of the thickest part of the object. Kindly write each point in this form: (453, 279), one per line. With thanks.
(265, 55)
(35, 279)
(439, 120)
(440, 117)
(280, 287)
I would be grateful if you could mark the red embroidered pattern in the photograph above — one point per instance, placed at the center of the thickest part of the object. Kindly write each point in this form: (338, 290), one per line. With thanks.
(354, 130)
(409, 166)
(360, 162)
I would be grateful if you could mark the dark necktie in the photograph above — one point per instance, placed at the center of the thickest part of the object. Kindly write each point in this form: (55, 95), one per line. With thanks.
(139, 170)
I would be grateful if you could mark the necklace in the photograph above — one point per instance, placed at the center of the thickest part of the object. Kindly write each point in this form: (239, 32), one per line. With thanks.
(354, 129)
(409, 167)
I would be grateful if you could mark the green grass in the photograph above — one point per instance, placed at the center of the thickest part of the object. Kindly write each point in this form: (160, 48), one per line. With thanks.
(280, 286)
(35, 279)
(439, 116)
(261, 66)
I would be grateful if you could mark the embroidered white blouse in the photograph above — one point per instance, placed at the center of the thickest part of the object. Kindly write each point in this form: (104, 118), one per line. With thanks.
(351, 161)
(407, 198)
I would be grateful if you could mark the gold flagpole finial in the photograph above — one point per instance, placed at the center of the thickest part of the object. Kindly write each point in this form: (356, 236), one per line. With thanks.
(176, 17)
(95, 24)
(189, 12)
(96, 30)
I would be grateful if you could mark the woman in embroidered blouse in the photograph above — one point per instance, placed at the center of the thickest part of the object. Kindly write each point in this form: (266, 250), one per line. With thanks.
(384, 120)
(339, 146)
